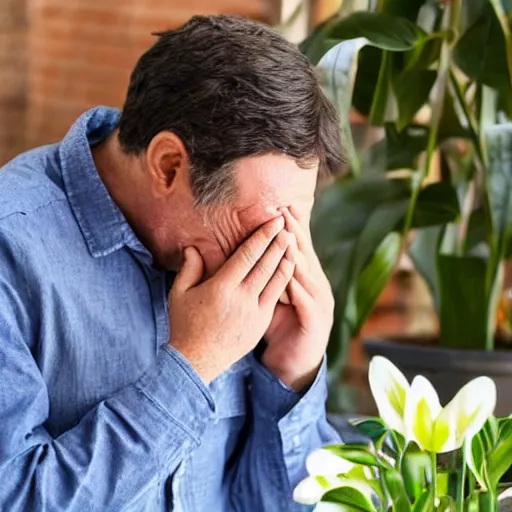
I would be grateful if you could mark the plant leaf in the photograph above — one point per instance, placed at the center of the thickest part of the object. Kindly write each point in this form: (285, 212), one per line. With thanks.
(374, 428)
(437, 205)
(358, 454)
(374, 278)
(413, 89)
(499, 150)
(384, 107)
(317, 43)
(500, 459)
(395, 487)
(349, 497)
(481, 51)
(382, 30)
(423, 252)
(397, 150)
(425, 502)
(417, 474)
(462, 301)
(476, 457)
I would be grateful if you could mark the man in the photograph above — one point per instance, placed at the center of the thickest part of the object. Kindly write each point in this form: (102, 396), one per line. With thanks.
(113, 397)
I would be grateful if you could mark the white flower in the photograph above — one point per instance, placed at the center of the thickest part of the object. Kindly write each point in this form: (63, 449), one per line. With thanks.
(415, 412)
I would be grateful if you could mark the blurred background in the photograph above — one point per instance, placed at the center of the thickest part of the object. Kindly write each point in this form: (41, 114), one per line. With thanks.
(61, 57)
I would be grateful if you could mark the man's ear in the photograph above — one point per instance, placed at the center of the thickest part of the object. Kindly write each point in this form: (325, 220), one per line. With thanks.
(167, 162)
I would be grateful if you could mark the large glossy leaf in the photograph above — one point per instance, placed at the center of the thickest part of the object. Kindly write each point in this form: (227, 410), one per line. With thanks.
(463, 305)
(481, 51)
(416, 471)
(351, 498)
(437, 204)
(412, 88)
(476, 456)
(382, 30)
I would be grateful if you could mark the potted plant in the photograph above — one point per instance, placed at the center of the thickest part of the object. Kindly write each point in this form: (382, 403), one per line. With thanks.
(433, 79)
(418, 456)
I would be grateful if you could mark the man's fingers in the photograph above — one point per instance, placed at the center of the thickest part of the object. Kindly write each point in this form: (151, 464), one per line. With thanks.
(301, 300)
(278, 282)
(292, 225)
(264, 269)
(245, 257)
(191, 272)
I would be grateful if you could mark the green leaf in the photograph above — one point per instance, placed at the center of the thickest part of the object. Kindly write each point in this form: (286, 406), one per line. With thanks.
(374, 277)
(499, 150)
(425, 502)
(368, 67)
(358, 454)
(374, 428)
(424, 54)
(397, 150)
(394, 485)
(477, 461)
(383, 107)
(353, 499)
(463, 302)
(382, 30)
(317, 43)
(481, 52)
(437, 205)
(423, 252)
(412, 89)
(416, 471)
(405, 8)
(500, 459)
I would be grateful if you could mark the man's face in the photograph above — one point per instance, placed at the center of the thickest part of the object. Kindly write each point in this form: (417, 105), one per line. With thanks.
(264, 184)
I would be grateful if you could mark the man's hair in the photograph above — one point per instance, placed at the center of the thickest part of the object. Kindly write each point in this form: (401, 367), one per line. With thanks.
(229, 88)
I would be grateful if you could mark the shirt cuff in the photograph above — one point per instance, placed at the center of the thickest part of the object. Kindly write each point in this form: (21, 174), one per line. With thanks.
(176, 389)
(274, 400)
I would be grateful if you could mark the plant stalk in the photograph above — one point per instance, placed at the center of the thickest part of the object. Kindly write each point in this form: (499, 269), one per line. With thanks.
(433, 462)
(459, 507)
(451, 23)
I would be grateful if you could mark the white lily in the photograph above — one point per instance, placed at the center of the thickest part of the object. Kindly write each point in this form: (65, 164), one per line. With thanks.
(389, 389)
(441, 430)
(415, 411)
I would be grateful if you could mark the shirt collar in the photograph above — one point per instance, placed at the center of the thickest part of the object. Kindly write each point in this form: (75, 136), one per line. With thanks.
(102, 223)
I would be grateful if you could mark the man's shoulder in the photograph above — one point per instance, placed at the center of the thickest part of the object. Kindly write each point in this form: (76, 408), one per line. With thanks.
(31, 181)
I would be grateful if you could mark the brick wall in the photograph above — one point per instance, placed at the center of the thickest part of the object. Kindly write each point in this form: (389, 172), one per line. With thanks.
(80, 54)
(13, 40)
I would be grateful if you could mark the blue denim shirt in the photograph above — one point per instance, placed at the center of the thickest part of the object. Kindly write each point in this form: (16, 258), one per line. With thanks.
(97, 413)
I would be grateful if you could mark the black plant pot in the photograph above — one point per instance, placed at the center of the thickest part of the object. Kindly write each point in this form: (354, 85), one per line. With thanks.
(449, 369)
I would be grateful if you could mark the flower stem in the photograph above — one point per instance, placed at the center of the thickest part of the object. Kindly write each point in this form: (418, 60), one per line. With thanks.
(433, 462)
(461, 480)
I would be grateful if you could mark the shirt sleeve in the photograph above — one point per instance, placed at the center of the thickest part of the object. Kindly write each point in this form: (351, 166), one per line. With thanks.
(286, 427)
(120, 449)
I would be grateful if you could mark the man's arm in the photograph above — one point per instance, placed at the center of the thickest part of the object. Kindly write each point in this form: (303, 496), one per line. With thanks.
(129, 442)
(117, 451)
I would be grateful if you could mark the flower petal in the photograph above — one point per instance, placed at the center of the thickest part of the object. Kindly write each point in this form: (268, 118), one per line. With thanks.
(421, 410)
(331, 507)
(389, 389)
(465, 415)
(324, 462)
(309, 491)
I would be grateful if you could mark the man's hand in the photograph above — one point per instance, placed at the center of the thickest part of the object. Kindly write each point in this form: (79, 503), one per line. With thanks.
(217, 322)
(299, 332)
